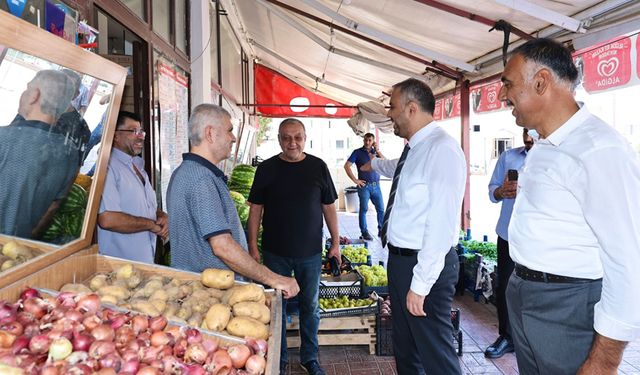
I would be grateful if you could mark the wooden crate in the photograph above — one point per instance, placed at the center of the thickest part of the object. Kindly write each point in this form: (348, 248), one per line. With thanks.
(82, 265)
(350, 330)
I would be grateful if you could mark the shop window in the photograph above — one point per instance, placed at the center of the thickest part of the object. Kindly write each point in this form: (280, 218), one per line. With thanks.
(181, 25)
(339, 144)
(161, 18)
(501, 145)
(137, 6)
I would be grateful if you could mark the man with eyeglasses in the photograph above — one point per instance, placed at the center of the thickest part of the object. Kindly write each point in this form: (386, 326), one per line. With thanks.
(129, 219)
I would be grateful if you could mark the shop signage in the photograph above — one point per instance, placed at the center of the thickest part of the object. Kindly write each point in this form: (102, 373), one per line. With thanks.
(437, 112)
(486, 98)
(291, 99)
(606, 66)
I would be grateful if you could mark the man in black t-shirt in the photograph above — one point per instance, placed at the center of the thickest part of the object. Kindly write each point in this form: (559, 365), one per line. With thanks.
(291, 193)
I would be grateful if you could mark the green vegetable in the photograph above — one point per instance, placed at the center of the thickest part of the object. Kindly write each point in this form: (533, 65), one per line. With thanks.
(488, 250)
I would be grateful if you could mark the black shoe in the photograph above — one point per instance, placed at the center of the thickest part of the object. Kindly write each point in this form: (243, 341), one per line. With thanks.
(312, 368)
(499, 348)
(366, 236)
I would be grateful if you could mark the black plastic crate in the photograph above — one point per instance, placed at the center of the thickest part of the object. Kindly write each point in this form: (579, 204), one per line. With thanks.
(380, 290)
(349, 285)
(384, 333)
(355, 311)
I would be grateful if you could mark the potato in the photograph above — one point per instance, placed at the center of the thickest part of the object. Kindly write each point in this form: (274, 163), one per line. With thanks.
(255, 310)
(184, 312)
(124, 272)
(218, 316)
(195, 285)
(200, 294)
(7, 264)
(243, 326)
(108, 298)
(174, 293)
(13, 250)
(227, 295)
(174, 318)
(134, 280)
(145, 307)
(216, 293)
(98, 281)
(195, 320)
(117, 291)
(159, 304)
(171, 309)
(175, 282)
(76, 288)
(160, 294)
(219, 279)
(249, 293)
(185, 290)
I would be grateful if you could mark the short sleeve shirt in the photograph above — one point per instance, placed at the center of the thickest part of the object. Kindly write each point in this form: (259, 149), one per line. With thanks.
(292, 195)
(360, 157)
(200, 207)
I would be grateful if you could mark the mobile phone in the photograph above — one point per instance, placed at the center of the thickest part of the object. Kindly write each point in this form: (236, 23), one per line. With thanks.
(373, 150)
(512, 175)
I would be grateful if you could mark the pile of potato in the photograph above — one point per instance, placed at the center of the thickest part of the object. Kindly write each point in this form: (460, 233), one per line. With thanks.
(215, 303)
(14, 253)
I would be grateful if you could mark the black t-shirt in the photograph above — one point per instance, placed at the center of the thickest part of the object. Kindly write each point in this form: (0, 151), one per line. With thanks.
(292, 195)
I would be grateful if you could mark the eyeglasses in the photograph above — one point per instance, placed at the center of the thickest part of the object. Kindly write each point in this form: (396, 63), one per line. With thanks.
(136, 132)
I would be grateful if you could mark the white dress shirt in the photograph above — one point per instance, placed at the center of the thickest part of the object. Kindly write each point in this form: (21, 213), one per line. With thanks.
(577, 213)
(426, 210)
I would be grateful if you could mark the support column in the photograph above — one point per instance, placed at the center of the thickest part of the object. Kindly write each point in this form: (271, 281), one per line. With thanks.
(201, 52)
(464, 142)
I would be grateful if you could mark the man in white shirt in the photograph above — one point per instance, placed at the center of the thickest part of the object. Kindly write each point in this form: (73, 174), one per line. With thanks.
(574, 234)
(421, 225)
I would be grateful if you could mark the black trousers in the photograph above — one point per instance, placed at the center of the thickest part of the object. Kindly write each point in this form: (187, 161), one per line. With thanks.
(423, 345)
(505, 268)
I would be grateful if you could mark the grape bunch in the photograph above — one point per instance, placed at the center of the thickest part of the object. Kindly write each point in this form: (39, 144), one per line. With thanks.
(373, 275)
(343, 302)
(355, 254)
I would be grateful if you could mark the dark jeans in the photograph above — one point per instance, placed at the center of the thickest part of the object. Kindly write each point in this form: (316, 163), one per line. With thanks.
(370, 191)
(505, 268)
(423, 344)
(307, 274)
(551, 324)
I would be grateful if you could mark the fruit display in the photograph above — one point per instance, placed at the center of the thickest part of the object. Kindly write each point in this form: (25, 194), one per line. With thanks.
(84, 181)
(72, 334)
(66, 224)
(241, 206)
(14, 253)
(373, 275)
(385, 306)
(356, 254)
(241, 179)
(215, 303)
(344, 302)
(488, 250)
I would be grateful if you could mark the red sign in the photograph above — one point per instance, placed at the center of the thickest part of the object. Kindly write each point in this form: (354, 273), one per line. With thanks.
(637, 56)
(607, 65)
(486, 98)
(286, 98)
(437, 112)
(451, 106)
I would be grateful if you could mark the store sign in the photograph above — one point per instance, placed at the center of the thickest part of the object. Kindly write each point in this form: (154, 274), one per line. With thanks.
(437, 112)
(451, 106)
(486, 98)
(606, 66)
(286, 98)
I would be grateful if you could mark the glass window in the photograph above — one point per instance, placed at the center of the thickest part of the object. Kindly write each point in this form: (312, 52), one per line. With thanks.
(137, 6)
(181, 25)
(213, 46)
(161, 18)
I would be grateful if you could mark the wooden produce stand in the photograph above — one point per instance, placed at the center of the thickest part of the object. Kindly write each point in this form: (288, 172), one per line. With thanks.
(348, 330)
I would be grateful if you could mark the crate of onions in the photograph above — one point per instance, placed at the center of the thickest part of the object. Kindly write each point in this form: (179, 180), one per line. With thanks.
(71, 333)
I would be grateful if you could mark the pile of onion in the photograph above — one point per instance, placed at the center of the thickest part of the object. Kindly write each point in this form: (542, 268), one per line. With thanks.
(73, 334)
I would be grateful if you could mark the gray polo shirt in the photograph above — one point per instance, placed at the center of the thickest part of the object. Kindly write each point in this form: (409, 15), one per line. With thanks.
(200, 207)
(37, 167)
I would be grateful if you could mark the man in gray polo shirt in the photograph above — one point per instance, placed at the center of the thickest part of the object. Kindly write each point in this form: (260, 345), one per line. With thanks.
(203, 222)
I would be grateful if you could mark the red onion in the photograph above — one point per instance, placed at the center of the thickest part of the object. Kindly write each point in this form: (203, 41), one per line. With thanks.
(57, 333)
(39, 344)
(157, 364)
(171, 364)
(28, 293)
(80, 369)
(74, 315)
(35, 306)
(239, 355)
(166, 350)
(50, 370)
(105, 371)
(193, 336)
(219, 361)
(9, 359)
(210, 345)
(118, 321)
(7, 313)
(81, 341)
(14, 328)
(194, 370)
(176, 332)
(111, 360)
(157, 323)
(103, 332)
(25, 318)
(131, 366)
(160, 338)
(180, 347)
(31, 330)
(66, 299)
(20, 345)
(148, 370)
(124, 335)
(139, 323)
(258, 346)
(91, 321)
(129, 355)
(101, 348)
(255, 365)
(60, 349)
(149, 353)
(88, 303)
(134, 345)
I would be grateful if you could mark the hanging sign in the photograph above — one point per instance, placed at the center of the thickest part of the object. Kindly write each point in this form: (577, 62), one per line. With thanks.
(486, 98)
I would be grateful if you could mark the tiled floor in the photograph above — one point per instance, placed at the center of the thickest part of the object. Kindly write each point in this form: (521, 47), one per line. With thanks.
(478, 324)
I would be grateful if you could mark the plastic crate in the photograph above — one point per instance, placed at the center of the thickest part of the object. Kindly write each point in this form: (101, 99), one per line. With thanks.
(384, 333)
(349, 285)
(353, 242)
(380, 290)
(351, 311)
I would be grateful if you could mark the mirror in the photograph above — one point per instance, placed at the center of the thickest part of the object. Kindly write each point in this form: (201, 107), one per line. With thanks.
(55, 100)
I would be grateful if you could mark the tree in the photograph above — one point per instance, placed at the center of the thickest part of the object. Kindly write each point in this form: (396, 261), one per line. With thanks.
(264, 125)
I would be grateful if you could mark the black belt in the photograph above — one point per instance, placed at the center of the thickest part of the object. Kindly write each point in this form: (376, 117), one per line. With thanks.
(531, 275)
(402, 251)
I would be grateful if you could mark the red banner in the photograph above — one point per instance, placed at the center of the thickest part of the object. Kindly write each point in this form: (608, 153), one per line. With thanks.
(288, 99)
(486, 98)
(451, 106)
(638, 56)
(438, 112)
(606, 66)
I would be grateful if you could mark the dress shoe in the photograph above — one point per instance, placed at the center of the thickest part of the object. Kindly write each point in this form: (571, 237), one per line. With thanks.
(499, 348)
(366, 236)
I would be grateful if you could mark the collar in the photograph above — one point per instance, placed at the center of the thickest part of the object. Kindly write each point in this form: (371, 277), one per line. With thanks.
(565, 130)
(126, 158)
(423, 133)
(205, 163)
(21, 121)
